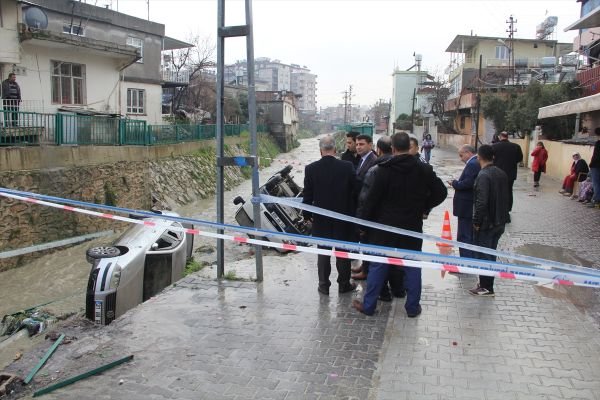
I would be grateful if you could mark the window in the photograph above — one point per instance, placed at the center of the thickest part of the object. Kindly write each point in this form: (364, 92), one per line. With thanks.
(135, 101)
(502, 52)
(68, 83)
(73, 29)
(138, 43)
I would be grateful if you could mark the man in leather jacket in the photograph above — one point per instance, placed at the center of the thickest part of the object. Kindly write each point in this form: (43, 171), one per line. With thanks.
(397, 192)
(490, 212)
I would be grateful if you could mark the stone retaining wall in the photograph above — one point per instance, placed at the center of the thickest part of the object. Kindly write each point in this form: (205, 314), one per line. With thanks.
(177, 179)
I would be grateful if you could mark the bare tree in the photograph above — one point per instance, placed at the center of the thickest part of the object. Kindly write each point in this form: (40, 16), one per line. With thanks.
(193, 60)
(438, 99)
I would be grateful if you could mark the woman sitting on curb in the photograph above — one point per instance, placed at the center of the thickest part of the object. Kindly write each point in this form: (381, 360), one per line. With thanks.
(579, 170)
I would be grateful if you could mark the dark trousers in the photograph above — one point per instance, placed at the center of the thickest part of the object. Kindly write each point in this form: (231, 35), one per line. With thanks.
(394, 283)
(11, 112)
(596, 184)
(536, 176)
(324, 267)
(487, 238)
(510, 194)
(464, 234)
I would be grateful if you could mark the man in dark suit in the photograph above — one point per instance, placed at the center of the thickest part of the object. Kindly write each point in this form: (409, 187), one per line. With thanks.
(507, 156)
(364, 148)
(330, 183)
(463, 197)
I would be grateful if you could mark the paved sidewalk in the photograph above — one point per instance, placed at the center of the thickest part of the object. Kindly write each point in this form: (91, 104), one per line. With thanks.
(282, 340)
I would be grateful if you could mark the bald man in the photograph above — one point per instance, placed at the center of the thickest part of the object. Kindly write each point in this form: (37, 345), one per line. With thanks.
(331, 184)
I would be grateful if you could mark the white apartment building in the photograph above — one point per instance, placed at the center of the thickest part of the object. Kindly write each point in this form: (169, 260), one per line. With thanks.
(273, 75)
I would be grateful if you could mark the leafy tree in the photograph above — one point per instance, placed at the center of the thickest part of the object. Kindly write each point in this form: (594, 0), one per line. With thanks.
(403, 122)
(494, 108)
(518, 112)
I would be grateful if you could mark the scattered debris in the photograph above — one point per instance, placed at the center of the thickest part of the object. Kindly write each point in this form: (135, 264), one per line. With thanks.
(18, 356)
(79, 377)
(242, 307)
(44, 359)
(7, 381)
(33, 320)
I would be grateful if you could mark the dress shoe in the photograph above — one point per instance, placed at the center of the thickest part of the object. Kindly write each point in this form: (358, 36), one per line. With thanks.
(323, 290)
(359, 307)
(361, 276)
(347, 288)
(385, 297)
(356, 270)
(414, 314)
(400, 295)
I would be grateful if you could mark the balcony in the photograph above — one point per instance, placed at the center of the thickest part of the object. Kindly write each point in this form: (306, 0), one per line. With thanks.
(172, 78)
(589, 80)
(468, 100)
(473, 63)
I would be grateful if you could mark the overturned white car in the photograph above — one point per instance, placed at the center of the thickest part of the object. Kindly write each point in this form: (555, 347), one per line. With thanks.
(275, 217)
(140, 263)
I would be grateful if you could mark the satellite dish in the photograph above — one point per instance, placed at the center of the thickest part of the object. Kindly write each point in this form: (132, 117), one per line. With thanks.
(35, 18)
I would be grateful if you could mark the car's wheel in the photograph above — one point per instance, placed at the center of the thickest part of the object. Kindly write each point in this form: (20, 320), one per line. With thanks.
(99, 252)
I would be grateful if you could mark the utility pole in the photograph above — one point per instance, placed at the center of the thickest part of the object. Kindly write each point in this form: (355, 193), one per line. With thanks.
(478, 103)
(350, 105)
(511, 50)
(345, 107)
(412, 112)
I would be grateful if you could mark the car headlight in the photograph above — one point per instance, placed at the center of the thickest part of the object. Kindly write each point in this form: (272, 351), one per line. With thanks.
(115, 278)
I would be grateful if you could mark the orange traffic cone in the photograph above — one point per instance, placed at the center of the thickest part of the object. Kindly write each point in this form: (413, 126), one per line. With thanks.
(446, 231)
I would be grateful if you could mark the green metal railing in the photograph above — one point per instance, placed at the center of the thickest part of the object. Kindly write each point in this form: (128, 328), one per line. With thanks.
(26, 128)
(29, 128)
(364, 128)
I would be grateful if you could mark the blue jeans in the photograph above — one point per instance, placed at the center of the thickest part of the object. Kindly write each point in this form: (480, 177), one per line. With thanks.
(378, 273)
(596, 184)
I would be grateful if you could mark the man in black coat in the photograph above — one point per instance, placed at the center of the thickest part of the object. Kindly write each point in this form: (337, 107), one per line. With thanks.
(463, 197)
(330, 183)
(507, 156)
(490, 212)
(397, 193)
(350, 153)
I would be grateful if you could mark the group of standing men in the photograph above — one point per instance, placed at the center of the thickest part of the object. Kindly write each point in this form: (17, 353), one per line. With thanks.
(394, 189)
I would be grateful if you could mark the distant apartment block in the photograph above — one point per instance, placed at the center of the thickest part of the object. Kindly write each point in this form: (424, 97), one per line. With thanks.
(273, 75)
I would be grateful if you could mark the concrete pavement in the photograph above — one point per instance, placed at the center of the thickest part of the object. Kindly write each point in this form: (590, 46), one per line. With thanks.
(280, 339)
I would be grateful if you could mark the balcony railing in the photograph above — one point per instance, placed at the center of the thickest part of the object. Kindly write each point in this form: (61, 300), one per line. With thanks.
(182, 76)
(589, 80)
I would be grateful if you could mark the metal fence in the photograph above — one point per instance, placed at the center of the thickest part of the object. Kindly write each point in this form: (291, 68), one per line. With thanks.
(29, 128)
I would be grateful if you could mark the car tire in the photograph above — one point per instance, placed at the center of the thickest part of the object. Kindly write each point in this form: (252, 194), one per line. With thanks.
(99, 252)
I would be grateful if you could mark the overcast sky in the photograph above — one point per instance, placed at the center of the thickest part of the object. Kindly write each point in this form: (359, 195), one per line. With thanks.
(354, 42)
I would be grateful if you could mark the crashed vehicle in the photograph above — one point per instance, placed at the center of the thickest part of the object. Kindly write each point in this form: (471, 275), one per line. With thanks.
(140, 263)
(276, 217)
